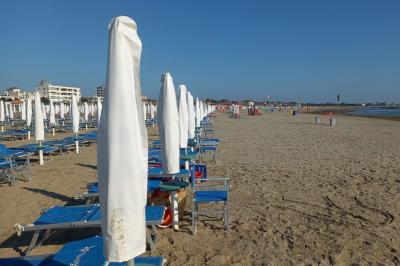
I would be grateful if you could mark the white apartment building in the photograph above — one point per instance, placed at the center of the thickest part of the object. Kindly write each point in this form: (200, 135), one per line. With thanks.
(58, 93)
(13, 93)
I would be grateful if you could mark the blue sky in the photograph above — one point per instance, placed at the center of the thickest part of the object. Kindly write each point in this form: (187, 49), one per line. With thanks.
(293, 50)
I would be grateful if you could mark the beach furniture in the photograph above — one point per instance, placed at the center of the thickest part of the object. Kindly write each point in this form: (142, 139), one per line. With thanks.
(35, 148)
(209, 191)
(92, 194)
(208, 147)
(86, 252)
(81, 216)
(18, 166)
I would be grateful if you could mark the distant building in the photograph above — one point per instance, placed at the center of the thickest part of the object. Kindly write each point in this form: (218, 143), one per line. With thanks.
(13, 93)
(100, 91)
(58, 93)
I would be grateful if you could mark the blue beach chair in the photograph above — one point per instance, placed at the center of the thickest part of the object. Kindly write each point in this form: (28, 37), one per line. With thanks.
(18, 164)
(86, 252)
(81, 216)
(209, 190)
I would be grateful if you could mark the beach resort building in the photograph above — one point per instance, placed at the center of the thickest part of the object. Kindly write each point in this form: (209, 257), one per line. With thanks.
(100, 91)
(58, 93)
(13, 93)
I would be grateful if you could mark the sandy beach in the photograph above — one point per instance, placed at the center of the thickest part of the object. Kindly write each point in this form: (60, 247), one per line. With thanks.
(301, 194)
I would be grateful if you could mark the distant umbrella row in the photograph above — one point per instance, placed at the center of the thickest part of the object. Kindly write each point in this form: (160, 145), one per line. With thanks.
(26, 109)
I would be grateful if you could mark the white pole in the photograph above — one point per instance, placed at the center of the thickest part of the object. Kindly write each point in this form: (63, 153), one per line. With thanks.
(174, 206)
(77, 146)
(2, 128)
(86, 127)
(40, 154)
(187, 165)
(29, 134)
(54, 131)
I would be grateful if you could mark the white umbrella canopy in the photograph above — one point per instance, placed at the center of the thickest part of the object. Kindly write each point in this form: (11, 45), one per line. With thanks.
(122, 147)
(99, 106)
(86, 111)
(1, 111)
(39, 125)
(183, 117)
(62, 110)
(29, 112)
(144, 111)
(152, 110)
(52, 118)
(191, 116)
(23, 111)
(197, 112)
(75, 115)
(168, 125)
(11, 111)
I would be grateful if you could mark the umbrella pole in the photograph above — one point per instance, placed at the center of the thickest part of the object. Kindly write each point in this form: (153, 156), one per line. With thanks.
(174, 207)
(29, 134)
(86, 127)
(76, 144)
(40, 154)
(54, 131)
(130, 262)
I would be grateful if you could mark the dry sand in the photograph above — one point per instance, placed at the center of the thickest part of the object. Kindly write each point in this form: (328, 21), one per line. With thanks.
(300, 194)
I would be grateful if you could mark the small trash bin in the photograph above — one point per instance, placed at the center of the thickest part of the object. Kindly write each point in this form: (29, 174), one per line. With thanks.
(317, 120)
(333, 121)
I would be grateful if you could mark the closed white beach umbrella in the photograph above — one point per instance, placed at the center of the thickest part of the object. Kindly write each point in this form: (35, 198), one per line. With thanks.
(62, 110)
(191, 116)
(75, 120)
(29, 112)
(1, 111)
(86, 111)
(197, 112)
(183, 117)
(7, 110)
(152, 107)
(75, 115)
(52, 117)
(2, 115)
(23, 111)
(144, 111)
(99, 107)
(168, 125)
(39, 125)
(11, 111)
(44, 114)
(122, 147)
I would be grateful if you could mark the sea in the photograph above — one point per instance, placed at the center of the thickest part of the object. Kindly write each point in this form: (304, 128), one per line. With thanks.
(376, 112)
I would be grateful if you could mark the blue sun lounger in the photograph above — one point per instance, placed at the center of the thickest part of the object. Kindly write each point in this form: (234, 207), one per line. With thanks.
(86, 252)
(81, 216)
(18, 164)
